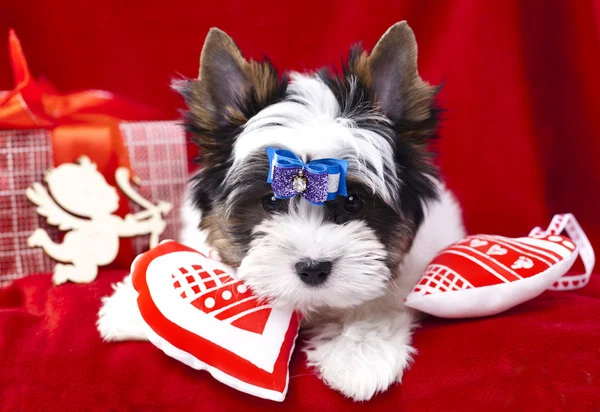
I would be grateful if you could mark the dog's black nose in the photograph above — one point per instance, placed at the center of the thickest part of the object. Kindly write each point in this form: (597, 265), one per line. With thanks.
(313, 272)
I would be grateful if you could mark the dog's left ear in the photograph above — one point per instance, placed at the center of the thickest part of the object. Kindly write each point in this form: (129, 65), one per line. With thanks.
(394, 77)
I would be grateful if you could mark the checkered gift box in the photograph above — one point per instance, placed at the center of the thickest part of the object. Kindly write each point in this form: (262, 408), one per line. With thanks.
(157, 152)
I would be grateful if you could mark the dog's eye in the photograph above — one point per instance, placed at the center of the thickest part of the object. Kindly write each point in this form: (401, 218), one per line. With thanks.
(271, 204)
(352, 204)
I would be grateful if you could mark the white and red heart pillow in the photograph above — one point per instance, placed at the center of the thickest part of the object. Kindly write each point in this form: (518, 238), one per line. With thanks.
(484, 275)
(197, 312)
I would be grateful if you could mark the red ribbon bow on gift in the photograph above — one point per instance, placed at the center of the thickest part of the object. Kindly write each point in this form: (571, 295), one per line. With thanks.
(80, 123)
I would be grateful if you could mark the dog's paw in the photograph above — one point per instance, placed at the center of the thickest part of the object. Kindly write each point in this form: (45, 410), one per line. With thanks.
(362, 358)
(119, 318)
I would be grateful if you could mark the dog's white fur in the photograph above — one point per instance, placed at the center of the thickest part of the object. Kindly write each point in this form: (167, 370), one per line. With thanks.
(357, 351)
(359, 273)
(363, 351)
(119, 317)
(358, 328)
(308, 122)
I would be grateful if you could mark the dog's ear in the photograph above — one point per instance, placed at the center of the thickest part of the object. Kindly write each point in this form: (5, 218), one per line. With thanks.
(394, 77)
(228, 92)
(229, 89)
(222, 80)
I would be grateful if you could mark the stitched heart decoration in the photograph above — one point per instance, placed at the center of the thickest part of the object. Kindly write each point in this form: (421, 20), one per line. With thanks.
(484, 275)
(494, 250)
(478, 242)
(197, 312)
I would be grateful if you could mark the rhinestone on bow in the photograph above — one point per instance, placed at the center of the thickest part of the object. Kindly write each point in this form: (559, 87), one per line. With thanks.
(299, 183)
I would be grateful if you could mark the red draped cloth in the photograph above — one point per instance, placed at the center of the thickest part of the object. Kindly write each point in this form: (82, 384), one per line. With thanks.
(520, 142)
(522, 78)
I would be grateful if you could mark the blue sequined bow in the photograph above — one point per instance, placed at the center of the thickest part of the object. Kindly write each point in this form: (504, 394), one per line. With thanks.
(317, 181)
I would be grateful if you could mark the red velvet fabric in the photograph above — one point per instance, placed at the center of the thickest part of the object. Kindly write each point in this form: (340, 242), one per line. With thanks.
(519, 144)
(522, 90)
(542, 356)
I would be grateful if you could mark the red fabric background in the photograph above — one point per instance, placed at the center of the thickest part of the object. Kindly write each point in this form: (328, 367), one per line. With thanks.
(541, 356)
(522, 90)
(520, 143)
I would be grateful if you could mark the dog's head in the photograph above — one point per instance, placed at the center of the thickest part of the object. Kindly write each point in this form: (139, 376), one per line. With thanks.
(378, 115)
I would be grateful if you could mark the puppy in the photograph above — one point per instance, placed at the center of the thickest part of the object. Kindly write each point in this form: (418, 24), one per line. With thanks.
(347, 263)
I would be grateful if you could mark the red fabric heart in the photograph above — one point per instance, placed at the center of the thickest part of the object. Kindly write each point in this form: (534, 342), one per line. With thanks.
(483, 275)
(197, 312)
(499, 260)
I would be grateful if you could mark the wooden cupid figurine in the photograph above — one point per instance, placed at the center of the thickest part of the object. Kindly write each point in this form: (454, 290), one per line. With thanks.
(82, 202)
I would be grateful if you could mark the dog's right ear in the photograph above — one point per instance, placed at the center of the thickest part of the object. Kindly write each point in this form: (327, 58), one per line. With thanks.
(228, 92)
(222, 85)
(229, 89)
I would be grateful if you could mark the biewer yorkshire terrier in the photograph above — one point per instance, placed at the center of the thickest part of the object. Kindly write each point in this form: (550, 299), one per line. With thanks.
(320, 189)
